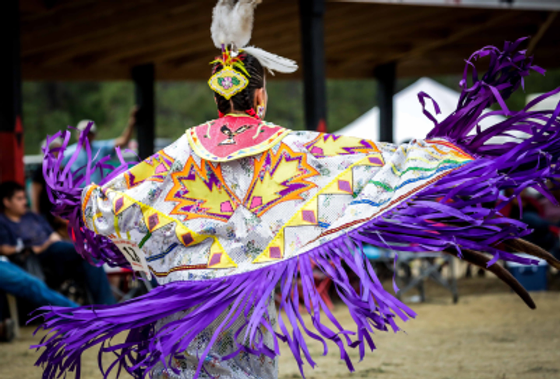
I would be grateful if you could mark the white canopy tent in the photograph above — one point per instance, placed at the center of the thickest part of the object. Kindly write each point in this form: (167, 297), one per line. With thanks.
(549, 103)
(409, 121)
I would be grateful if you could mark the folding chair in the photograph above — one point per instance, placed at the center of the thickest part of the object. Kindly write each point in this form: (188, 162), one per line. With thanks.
(430, 269)
(12, 305)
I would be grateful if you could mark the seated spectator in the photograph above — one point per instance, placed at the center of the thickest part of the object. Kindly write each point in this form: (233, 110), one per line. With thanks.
(40, 202)
(545, 233)
(22, 231)
(17, 282)
(551, 210)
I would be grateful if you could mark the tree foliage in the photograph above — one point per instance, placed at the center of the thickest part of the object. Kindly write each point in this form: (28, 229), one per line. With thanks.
(49, 107)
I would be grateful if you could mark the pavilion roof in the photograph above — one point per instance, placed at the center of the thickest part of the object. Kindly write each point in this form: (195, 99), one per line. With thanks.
(103, 39)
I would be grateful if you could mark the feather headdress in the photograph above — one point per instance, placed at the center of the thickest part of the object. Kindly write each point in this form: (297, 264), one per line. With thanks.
(232, 25)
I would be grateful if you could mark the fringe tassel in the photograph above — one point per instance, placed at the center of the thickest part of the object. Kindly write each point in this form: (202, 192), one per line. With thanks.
(65, 187)
(372, 308)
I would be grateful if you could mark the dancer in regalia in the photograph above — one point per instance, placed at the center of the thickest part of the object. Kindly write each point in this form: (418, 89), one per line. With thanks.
(239, 206)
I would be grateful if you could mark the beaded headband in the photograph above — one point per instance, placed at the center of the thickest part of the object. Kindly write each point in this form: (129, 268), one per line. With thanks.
(229, 81)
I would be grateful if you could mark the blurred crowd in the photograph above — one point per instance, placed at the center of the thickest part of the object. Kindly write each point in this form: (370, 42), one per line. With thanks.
(38, 262)
(541, 213)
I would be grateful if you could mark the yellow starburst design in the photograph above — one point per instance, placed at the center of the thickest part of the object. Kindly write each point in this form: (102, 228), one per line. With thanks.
(279, 177)
(155, 168)
(202, 192)
(329, 145)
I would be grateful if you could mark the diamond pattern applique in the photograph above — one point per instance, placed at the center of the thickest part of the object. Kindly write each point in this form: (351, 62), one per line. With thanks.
(376, 161)
(275, 252)
(226, 207)
(187, 239)
(153, 220)
(316, 150)
(309, 216)
(119, 204)
(256, 202)
(216, 259)
(344, 185)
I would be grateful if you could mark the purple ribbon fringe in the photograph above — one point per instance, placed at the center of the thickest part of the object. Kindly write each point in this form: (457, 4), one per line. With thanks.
(246, 295)
(449, 213)
(65, 188)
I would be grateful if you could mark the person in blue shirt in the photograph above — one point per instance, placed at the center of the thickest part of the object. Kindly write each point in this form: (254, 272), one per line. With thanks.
(99, 148)
(23, 232)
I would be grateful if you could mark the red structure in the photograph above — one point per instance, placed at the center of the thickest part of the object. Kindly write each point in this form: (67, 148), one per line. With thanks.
(11, 153)
(11, 130)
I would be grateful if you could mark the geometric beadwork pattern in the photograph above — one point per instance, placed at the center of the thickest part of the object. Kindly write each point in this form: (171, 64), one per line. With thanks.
(155, 220)
(228, 82)
(310, 213)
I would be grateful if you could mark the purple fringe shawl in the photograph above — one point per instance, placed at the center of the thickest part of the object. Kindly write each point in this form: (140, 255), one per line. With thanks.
(447, 214)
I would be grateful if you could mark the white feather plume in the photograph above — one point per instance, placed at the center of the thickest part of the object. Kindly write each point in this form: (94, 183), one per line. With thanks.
(232, 22)
(271, 61)
(220, 21)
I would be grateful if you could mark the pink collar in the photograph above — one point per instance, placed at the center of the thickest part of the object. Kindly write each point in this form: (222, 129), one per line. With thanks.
(234, 136)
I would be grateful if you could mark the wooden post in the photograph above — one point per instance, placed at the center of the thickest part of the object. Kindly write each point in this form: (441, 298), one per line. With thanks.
(144, 83)
(313, 53)
(386, 79)
(11, 130)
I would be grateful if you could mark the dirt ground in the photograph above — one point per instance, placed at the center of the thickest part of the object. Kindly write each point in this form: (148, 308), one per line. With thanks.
(490, 333)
